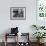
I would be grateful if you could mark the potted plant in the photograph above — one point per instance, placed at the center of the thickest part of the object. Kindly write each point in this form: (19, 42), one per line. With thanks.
(39, 35)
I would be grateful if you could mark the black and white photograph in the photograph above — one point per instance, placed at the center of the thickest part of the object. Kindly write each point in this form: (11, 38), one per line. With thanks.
(17, 13)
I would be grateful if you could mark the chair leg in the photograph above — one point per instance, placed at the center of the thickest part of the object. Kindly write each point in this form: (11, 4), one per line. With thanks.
(5, 43)
(5, 40)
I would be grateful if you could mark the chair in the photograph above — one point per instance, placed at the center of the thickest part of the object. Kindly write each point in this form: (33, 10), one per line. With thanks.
(26, 41)
(14, 32)
(7, 35)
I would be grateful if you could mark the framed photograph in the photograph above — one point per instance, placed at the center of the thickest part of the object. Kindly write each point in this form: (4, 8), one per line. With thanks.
(41, 12)
(17, 13)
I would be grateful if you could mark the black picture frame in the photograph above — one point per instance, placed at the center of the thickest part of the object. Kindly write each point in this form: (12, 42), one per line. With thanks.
(17, 13)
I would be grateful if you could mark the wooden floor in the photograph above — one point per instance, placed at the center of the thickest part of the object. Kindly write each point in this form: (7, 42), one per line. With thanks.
(13, 44)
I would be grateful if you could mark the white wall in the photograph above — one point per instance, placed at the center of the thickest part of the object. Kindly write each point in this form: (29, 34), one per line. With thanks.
(24, 25)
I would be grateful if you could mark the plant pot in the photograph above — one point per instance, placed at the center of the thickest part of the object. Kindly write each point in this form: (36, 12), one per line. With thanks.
(40, 41)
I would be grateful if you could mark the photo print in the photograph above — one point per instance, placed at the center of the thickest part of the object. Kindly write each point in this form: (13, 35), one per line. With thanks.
(17, 13)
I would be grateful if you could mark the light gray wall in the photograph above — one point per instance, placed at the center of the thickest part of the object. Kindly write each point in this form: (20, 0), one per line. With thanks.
(24, 25)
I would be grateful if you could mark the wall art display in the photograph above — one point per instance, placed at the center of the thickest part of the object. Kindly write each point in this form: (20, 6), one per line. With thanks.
(41, 12)
(18, 13)
(41, 8)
